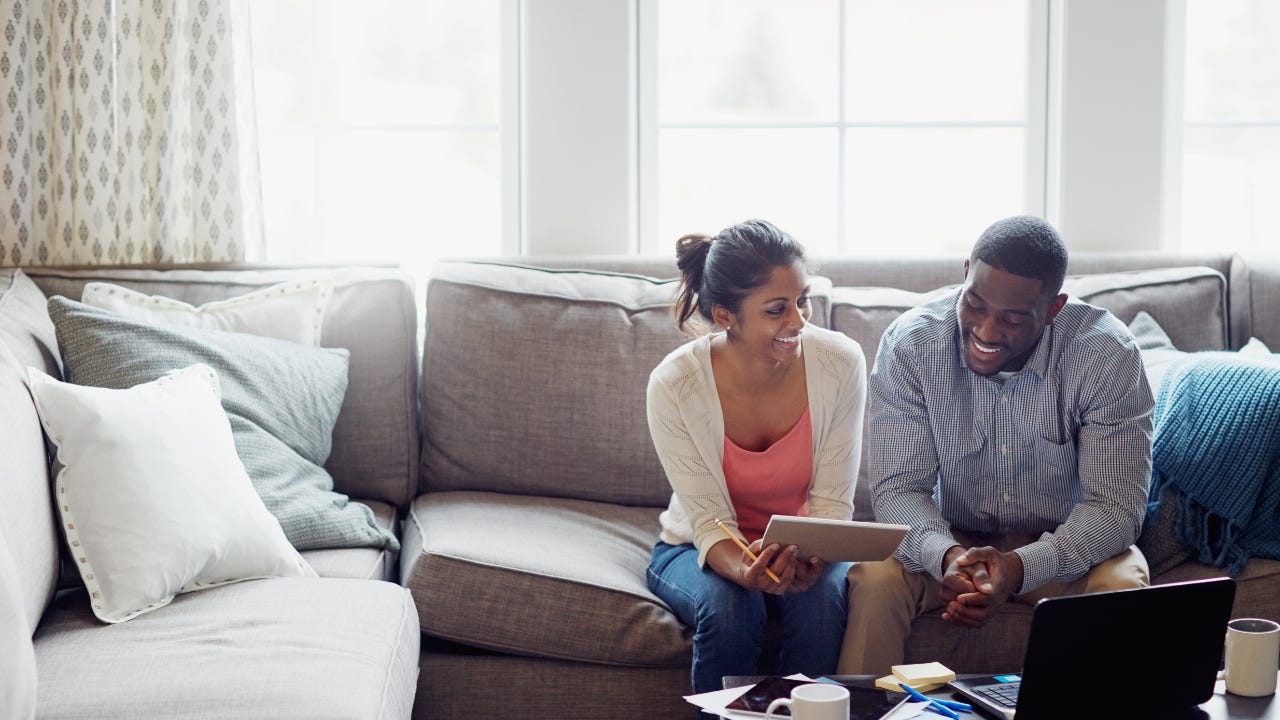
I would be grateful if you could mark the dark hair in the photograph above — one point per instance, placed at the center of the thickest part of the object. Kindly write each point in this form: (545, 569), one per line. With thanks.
(1026, 246)
(724, 269)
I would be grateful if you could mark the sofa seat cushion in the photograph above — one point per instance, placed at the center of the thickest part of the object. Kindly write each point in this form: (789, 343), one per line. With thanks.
(537, 576)
(364, 563)
(276, 648)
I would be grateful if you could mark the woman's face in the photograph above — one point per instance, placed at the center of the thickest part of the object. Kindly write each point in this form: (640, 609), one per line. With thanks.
(772, 317)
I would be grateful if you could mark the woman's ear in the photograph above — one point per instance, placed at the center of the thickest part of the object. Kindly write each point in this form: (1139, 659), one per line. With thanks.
(721, 316)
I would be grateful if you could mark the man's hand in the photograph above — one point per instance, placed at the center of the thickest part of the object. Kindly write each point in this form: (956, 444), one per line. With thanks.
(976, 582)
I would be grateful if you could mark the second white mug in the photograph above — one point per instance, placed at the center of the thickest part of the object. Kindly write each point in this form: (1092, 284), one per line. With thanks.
(818, 701)
(1252, 657)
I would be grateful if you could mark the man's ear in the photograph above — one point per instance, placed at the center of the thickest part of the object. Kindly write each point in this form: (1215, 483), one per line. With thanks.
(1055, 305)
(966, 269)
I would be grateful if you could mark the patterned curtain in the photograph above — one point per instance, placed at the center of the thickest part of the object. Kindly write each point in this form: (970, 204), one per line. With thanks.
(128, 132)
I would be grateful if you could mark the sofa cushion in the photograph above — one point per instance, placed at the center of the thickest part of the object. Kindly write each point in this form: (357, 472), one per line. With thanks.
(292, 311)
(543, 577)
(533, 381)
(282, 399)
(371, 313)
(1189, 303)
(278, 648)
(362, 563)
(152, 497)
(27, 521)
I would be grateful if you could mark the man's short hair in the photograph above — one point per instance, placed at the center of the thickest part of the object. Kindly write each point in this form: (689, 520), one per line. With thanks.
(1026, 246)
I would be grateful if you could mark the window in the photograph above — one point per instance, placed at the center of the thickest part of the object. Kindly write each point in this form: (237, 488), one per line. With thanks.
(857, 125)
(379, 129)
(1231, 133)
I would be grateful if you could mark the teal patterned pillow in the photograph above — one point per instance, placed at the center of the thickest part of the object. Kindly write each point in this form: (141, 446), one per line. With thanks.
(282, 399)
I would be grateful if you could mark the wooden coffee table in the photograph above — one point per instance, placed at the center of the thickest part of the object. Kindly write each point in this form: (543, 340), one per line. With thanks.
(1222, 706)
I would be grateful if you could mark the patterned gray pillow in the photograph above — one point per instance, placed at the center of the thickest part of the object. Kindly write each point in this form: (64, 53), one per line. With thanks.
(282, 399)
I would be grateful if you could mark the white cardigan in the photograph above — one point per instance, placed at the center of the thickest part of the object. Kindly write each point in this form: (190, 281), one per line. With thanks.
(687, 426)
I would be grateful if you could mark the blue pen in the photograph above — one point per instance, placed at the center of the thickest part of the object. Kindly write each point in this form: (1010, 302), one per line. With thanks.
(942, 707)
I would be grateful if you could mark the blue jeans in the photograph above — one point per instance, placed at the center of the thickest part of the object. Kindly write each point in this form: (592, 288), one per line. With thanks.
(729, 620)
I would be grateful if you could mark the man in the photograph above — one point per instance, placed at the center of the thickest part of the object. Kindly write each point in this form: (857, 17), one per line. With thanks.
(1010, 427)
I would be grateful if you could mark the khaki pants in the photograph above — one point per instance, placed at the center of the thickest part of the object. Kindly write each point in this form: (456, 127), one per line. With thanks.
(884, 598)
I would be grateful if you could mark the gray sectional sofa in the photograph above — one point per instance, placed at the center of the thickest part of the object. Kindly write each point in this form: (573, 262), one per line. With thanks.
(344, 645)
(509, 452)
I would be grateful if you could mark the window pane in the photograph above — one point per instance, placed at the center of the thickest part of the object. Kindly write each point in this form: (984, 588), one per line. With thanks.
(378, 129)
(1233, 60)
(747, 61)
(407, 197)
(398, 62)
(711, 179)
(922, 60)
(920, 190)
(1231, 181)
(1231, 141)
(893, 109)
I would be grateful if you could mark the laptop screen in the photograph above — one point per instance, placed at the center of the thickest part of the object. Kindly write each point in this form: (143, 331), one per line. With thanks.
(1148, 648)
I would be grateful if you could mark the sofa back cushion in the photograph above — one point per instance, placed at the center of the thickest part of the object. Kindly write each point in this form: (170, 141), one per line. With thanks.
(533, 382)
(1255, 295)
(27, 522)
(371, 313)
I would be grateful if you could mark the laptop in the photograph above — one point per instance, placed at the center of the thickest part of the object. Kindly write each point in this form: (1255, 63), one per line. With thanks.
(1147, 652)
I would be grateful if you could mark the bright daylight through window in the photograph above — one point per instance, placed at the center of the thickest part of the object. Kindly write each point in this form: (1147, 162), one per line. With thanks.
(1231, 136)
(857, 125)
(378, 128)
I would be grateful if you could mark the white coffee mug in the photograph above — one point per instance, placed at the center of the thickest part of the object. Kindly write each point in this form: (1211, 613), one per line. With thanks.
(1252, 657)
(819, 701)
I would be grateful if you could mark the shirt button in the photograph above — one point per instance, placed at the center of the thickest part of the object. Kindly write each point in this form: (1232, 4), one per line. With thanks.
(1006, 497)
(1004, 398)
(1004, 450)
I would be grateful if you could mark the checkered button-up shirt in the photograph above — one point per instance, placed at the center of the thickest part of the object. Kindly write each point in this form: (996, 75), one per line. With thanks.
(1062, 448)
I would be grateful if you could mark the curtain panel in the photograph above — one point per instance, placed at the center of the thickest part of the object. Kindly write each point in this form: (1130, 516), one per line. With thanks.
(128, 132)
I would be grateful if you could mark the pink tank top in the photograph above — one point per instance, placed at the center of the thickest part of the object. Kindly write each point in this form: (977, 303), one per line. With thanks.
(774, 481)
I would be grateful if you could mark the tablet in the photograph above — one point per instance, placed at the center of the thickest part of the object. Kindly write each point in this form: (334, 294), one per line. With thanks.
(835, 540)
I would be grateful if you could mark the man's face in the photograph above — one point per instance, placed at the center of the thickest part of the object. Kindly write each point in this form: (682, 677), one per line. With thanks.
(1001, 317)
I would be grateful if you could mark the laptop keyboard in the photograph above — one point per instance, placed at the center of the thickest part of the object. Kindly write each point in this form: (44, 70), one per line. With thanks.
(1005, 694)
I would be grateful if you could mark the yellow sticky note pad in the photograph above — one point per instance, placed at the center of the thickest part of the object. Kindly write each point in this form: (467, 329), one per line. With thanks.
(923, 673)
(890, 682)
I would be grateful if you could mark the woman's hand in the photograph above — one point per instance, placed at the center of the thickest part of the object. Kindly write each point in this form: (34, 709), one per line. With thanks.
(807, 573)
(731, 563)
(781, 560)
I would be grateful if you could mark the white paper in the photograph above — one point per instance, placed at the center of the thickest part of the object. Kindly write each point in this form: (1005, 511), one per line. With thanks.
(715, 702)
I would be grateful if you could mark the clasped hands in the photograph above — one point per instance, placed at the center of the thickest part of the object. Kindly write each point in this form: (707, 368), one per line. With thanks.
(976, 581)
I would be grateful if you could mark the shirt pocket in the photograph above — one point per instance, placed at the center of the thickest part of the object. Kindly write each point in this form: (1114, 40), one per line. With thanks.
(1056, 467)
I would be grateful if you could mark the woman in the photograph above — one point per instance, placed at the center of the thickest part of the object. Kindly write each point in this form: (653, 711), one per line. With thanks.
(763, 417)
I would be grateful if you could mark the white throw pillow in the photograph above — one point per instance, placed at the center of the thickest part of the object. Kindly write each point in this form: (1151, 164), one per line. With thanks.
(292, 311)
(17, 654)
(153, 498)
(1256, 348)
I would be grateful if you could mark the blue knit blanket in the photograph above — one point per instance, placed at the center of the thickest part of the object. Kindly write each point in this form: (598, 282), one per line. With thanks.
(1217, 448)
